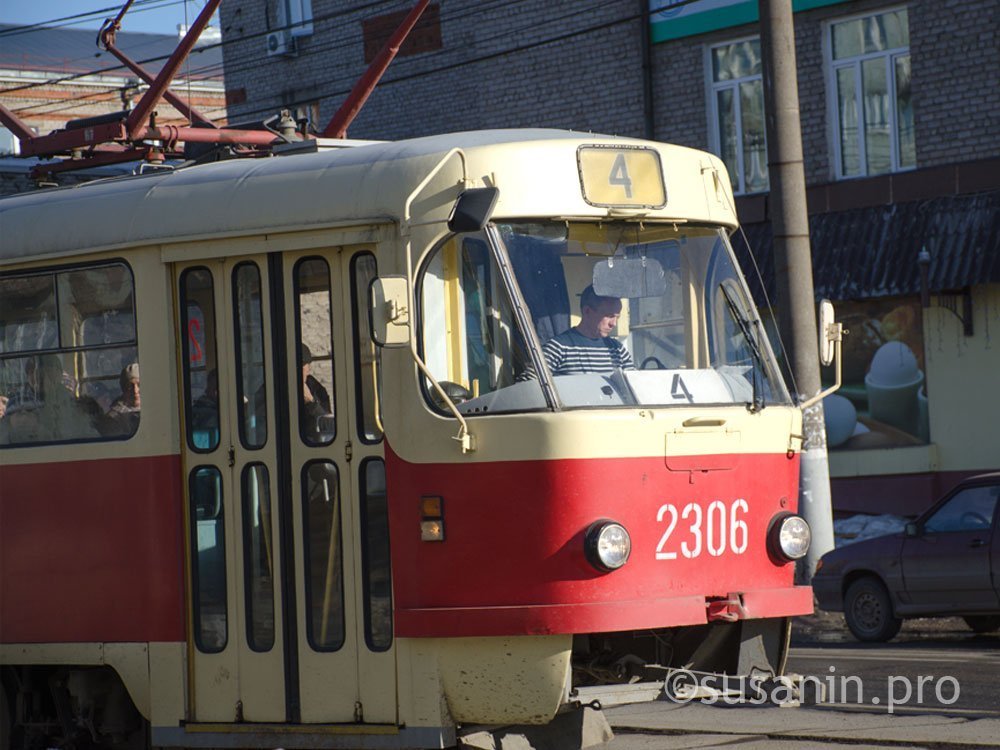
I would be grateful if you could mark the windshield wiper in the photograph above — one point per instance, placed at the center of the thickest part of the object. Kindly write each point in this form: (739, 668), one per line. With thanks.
(758, 360)
(521, 315)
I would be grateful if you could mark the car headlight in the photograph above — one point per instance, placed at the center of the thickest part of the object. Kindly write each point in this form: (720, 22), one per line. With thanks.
(607, 545)
(789, 537)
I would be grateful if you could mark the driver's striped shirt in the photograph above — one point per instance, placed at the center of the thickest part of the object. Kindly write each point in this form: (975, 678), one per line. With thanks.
(572, 353)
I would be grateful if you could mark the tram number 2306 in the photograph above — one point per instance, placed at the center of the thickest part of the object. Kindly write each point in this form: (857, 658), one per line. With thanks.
(717, 529)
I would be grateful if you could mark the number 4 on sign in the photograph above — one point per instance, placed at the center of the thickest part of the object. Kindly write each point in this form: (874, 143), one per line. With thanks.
(619, 175)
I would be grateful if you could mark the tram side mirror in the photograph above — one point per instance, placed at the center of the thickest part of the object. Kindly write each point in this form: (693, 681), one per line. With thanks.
(388, 303)
(829, 332)
(473, 209)
(619, 276)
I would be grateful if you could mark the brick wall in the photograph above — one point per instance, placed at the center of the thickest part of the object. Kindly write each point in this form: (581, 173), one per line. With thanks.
(496, 68)
(578, 66)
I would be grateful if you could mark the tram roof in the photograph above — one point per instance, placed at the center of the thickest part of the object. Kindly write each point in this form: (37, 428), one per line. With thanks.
(366, 183)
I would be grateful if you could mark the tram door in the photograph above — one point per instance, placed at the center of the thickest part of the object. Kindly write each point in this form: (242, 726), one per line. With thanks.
(231, 451)
(346, 659)
(291, 617)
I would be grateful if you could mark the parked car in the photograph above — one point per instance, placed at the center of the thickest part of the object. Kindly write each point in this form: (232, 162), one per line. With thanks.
(945, 563)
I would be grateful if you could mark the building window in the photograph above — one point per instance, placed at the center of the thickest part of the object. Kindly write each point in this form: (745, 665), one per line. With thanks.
(871, 103)
(424, 37)
(296, 16)
(9, 145)
(736, 109)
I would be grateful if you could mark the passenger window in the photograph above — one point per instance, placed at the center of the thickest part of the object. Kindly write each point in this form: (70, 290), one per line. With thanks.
(368, 357)
(251, 385)
(69, 368)
(201, 375)
(258, 557)
(323, 556)
(208, 568)
(970, 510)
(317, 425)
(375, 556)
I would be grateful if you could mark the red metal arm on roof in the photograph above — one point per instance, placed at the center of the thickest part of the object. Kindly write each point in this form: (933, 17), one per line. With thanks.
(337, 128)
(98, 159)
(107, 39)
(15, 125)
(140, 115)
(63, 141)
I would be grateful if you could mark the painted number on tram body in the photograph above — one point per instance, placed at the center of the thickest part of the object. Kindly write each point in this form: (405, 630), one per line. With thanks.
(715, 530)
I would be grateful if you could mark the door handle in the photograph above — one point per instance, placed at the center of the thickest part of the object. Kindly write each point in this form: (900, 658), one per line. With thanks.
(704, 422)
(977, 543)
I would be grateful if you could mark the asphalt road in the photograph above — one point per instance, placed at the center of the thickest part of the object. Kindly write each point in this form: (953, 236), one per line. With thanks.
(936, 685)
(931, 667)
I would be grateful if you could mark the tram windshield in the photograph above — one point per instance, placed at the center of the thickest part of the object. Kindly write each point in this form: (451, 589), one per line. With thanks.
(549, 315)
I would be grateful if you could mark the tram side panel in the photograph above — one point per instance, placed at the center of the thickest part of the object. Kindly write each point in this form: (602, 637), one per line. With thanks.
(91, 507)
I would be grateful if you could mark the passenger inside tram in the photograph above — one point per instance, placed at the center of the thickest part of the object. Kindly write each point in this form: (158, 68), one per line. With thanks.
(123, 416)
(315, 408)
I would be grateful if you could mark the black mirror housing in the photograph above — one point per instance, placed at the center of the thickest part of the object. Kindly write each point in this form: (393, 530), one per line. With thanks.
(473, 209)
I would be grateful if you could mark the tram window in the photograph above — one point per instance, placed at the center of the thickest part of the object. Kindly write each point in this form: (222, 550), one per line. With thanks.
(468, 336)
(201, 375)
(66, 339)
(258, 554)
(208, 559)
(368, 357)
(376, 565)
(251, 385)
(317, 425)
(323, 556)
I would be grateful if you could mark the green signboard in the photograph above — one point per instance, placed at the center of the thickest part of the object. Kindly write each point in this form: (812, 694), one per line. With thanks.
(702, 16)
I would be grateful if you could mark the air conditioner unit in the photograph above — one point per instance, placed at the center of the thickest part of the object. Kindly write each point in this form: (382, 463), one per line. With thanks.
(280, 43)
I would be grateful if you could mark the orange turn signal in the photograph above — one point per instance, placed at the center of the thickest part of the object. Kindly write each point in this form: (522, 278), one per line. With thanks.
(431, 519)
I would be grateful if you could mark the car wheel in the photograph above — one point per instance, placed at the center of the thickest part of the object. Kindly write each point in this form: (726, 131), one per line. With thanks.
(983, 623)
(868, 611)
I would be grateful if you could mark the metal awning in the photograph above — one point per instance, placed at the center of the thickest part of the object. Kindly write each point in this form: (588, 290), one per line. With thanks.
(872, 252)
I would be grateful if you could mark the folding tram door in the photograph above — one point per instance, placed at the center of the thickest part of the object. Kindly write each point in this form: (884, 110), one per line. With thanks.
(290, 604)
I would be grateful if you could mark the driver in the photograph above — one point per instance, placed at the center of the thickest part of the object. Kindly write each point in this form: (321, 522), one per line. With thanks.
(588, 347)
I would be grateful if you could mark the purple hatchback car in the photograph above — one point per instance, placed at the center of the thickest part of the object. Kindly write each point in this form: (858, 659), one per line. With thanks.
(946, 563)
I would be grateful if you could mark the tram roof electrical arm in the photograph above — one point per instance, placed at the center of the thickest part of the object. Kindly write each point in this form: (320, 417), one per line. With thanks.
(134, 135)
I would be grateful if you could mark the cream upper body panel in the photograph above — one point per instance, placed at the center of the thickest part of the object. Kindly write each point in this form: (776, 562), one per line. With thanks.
(415, 181)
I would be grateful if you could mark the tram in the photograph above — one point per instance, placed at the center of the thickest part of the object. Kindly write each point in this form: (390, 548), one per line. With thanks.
(357, 505)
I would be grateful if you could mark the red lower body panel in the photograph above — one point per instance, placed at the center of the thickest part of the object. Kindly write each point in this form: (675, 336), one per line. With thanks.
(92, 551)
(513, 558)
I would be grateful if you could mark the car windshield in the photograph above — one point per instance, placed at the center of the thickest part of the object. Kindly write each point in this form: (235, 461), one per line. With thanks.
(565, 315)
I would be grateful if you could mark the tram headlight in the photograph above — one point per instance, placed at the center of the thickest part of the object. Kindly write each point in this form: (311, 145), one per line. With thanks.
(607, 545)
(789, 537)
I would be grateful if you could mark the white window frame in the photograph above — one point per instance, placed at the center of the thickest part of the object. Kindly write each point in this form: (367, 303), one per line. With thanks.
(712, 88)
(833, 110)
(296, 17)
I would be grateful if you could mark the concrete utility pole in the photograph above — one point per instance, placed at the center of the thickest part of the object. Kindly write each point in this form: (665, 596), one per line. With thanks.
(793, 264)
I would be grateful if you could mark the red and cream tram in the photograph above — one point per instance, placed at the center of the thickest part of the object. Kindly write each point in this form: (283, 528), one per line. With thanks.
(356, 505)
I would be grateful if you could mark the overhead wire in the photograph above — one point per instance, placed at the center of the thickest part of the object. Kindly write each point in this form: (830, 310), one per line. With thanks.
(140, 6)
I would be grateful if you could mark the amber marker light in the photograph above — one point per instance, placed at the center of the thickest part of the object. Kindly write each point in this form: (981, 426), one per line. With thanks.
(431, 519)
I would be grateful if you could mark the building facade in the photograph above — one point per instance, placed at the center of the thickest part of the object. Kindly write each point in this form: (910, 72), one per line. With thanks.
(901, 136)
